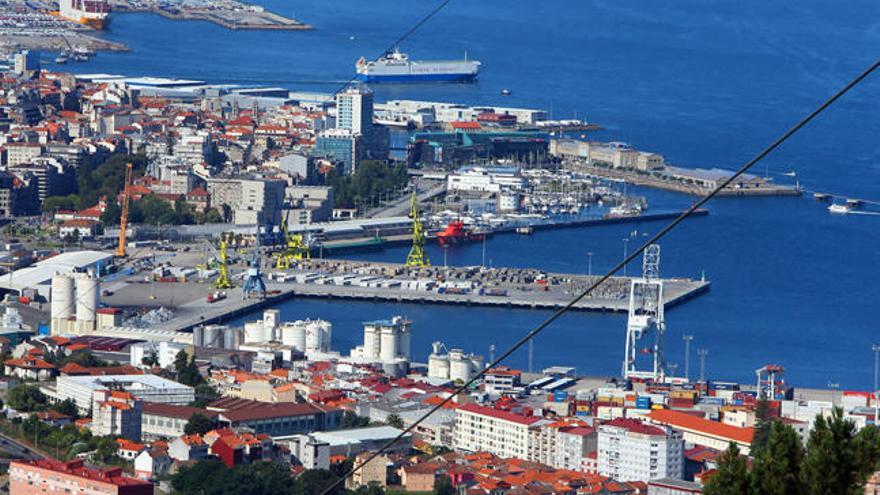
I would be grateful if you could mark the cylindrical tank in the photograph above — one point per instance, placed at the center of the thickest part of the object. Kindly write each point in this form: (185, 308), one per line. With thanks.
(327, 337)
(405, 341)
(371, 341)
(231, 338)
(269, 332)
(62, 297)
(271, 317)
(459, 367)
(438, 366)
(314, 337)
(254, 332)
(477, 362)
(294, 334)
(199, 336)
(214, 335)
(389, 342)
(87, 293)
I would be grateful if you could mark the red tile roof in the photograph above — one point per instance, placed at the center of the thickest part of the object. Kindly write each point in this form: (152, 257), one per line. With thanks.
(685, 421)
(635, 426)
(502, 415)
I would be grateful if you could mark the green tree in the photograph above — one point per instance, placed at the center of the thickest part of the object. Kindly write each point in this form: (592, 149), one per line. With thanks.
(837, 460)
(198, 424)
(213, 216)
(763, 423)
(776, 467)
(26, 398)
(112, 213)
(395, 421)
(732, 477)
(151, 358)
(106, 450)
(443, 485)
(352, 420)
(67, 407)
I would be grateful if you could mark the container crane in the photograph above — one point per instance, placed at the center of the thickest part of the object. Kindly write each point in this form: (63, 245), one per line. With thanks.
(254, 283)
(417, 255)
(223, 281)
(295, 248)
(123, 218)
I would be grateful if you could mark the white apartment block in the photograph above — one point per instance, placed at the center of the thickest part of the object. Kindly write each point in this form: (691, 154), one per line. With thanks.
(116, 413)
(505, 434)
(629, 450)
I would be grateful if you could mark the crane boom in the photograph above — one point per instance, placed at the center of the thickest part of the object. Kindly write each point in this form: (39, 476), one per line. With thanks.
(123, 219)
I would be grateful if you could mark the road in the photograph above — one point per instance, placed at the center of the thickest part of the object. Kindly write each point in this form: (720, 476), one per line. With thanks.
(17, 449)
(401, 207)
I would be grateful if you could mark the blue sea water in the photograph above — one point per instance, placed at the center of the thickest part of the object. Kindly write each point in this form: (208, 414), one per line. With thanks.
(704, 82)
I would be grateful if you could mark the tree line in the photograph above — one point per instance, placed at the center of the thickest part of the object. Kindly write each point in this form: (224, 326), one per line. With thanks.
(837, 459)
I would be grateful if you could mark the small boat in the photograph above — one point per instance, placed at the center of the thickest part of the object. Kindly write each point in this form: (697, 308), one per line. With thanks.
(505, 92)
(821, 196)
(525, 229)
(61, 59)
(854, 203)
(839, 209)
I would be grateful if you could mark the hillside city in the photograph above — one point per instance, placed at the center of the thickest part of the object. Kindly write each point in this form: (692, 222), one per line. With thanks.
(141, 215)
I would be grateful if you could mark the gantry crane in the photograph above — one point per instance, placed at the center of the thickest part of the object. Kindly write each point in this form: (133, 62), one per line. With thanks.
(254, 283)
(223, 281)
(123, 218)
(417, 255)
(295, 248)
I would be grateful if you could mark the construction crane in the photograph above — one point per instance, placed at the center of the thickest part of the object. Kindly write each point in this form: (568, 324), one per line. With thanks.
(295, 248)
(223, 281)
(417, 255)
(123, 219)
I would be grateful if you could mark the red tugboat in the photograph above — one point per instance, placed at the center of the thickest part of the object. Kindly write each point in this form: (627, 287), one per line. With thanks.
(457, 233)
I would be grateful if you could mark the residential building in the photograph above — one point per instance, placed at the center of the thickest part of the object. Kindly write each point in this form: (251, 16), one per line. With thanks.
(340, 145)
(18, 196)
(152, 463)
(309, 204)
(670, 486)
(354, 109)
(501, 380)
(20, 153)
(50, 476)
(30, 368)
(117, 413)
(236, 449)
(310, 452)
(128, 450)
(188, 448)
(630, 450)
(251, 201)
(418, 478)
(373, 472)
(573, 445)
(503, 433)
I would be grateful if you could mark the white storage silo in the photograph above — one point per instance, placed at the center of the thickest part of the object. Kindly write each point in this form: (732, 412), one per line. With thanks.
(214, 335)
(314, 337)
(459, 367)
(371, 341)
(87, 293)
(294, 334)
(477, 362)
(389, 343)
(327, 334)
(438, 364)
(254, 333)
(62, 297)
(271, 318)
(199, 336)
(405, 339)
(231, 338)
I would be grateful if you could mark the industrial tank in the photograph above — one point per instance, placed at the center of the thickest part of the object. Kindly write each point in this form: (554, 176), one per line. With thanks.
(199, 336)
(438, 364)
(459, 366)
(231, 338)
(254, 333)
(405, 339)
(214, 335)
(477, 362)
(371, 341)
(327, 334)
(389, 342)
(62, 297)
(294, 334)
(87, 293)
(314, 337)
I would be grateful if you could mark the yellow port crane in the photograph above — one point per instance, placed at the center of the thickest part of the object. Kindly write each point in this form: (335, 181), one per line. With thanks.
(295, 248)
(223, 281)
(417, 255)
(123, 218)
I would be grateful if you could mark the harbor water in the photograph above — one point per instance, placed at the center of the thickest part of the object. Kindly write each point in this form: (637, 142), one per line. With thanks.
(705, 83)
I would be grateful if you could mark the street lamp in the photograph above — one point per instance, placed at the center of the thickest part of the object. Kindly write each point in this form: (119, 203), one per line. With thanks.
(687, 356)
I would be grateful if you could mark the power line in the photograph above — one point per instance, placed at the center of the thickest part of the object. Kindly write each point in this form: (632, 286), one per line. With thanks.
(656, 237)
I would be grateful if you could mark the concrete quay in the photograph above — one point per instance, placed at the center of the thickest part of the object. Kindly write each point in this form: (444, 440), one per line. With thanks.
(230, 14)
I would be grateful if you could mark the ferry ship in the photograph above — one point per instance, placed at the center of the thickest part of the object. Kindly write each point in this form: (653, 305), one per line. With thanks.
(92, 13)
(397, 67)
